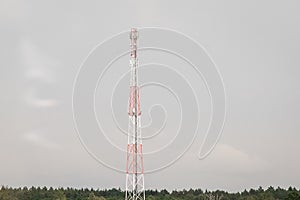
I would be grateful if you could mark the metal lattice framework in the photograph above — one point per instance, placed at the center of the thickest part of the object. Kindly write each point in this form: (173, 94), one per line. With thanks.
(135, 189)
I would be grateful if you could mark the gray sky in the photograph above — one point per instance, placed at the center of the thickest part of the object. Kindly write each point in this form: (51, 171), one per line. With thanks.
(254, 43)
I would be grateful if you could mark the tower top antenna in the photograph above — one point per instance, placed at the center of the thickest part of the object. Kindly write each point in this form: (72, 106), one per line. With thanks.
(133, 42)
(134, 34)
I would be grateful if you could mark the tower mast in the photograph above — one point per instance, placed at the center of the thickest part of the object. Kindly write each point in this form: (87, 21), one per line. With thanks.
(135, 189)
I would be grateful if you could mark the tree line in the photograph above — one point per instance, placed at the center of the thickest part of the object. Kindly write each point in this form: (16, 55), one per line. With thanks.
(44, 193)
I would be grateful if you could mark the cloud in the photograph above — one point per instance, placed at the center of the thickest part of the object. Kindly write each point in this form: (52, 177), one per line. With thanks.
(41, 67)
(37, 64)
(32, 99)
(228, 159)
(13, 10)
(37, 138)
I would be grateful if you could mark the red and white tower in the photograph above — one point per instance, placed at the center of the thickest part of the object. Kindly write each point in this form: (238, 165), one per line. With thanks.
(135, 189)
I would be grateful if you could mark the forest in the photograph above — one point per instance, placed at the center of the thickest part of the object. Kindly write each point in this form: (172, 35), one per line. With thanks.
(44, 193)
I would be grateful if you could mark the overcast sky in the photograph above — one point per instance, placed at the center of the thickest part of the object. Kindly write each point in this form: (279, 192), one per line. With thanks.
(255, 44)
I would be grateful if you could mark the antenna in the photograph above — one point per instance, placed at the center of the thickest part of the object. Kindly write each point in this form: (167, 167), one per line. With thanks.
(135, 189)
